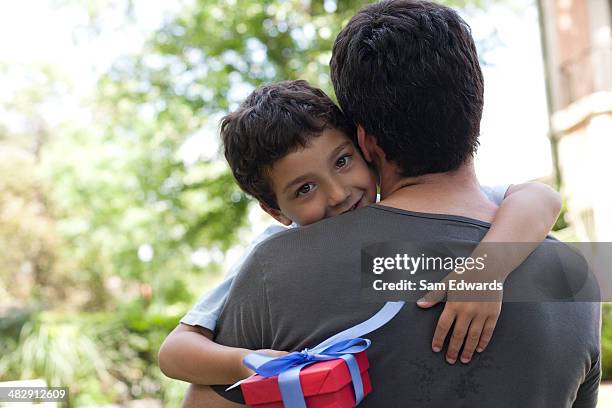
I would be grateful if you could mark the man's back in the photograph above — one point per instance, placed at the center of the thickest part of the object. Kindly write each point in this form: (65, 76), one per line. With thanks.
(304, 286)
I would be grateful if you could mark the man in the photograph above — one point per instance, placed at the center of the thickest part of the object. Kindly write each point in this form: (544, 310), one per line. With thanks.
(407, 73)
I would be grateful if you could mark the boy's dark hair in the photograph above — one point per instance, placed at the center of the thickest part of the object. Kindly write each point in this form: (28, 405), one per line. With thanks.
(273, 121)
(408, 72)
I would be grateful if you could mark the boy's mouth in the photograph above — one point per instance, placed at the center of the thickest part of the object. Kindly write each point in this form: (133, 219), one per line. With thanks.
(354, 206)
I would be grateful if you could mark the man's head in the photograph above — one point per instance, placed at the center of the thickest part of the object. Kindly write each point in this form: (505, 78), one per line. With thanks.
(407, 72)
(288, 146)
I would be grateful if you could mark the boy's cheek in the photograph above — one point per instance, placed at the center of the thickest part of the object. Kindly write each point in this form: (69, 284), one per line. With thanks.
(309, 214)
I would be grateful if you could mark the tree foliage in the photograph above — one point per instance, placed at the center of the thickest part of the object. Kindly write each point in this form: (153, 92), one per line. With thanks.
(170, 97)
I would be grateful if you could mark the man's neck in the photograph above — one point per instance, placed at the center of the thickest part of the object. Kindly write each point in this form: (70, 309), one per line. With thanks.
(455, 193)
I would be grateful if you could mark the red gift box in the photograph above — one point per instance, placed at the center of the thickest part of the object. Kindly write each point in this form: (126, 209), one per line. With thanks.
(326, 384)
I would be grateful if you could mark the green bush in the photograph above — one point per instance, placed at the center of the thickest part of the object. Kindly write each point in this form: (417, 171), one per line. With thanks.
(102, 357)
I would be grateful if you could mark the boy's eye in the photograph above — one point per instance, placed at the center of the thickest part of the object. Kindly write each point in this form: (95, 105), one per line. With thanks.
(343, 161)
(304, 189)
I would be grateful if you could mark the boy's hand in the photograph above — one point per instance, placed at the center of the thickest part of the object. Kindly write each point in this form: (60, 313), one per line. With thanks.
(474, 319)
(247, 372)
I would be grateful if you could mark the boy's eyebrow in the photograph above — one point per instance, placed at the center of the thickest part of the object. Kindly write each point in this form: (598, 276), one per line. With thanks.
(338, 149)
(297, 180)
(305, 177)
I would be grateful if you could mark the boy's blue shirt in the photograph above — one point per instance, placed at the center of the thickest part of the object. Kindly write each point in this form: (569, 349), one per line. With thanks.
(206, 311)
(208, 308)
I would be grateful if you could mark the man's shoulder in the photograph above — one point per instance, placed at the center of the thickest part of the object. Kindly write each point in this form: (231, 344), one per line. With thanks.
(372, 222)
(346, 226)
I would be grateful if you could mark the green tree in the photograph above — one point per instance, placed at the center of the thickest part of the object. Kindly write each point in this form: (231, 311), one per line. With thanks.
(194, 69)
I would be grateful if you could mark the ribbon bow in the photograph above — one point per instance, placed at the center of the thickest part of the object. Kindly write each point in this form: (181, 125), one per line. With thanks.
(342, 345)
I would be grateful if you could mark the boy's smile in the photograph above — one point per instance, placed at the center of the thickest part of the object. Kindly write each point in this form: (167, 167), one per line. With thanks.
(326, 178)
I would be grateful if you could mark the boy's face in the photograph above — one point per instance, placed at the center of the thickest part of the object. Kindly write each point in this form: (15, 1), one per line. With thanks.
(326, 178)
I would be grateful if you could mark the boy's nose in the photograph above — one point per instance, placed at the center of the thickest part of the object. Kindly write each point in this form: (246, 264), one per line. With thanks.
(337, 194)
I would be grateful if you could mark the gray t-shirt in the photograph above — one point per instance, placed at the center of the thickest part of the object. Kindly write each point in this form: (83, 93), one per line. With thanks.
(302, 286)
(206, 311)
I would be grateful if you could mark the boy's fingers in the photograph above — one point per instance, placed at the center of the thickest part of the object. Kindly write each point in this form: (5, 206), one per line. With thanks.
(487, 333)
(473, 337)
(456, 341)
(445, 322)
(431, 298)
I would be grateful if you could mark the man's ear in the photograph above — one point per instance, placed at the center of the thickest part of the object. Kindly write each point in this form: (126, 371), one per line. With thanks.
(372, 153)
(365, 143)
(276, 214)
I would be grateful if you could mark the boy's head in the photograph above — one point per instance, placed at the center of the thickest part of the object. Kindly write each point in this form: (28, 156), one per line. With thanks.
(408, 73)
(288, 146)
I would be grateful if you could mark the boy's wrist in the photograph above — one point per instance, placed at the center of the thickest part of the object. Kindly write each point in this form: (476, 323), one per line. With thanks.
(241, 370)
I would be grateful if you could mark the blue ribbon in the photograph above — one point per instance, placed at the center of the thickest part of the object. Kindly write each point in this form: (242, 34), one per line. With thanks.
(342, 345)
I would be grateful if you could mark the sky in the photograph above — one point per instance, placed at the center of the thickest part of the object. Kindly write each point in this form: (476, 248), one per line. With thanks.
(514, 144)
(514, 147)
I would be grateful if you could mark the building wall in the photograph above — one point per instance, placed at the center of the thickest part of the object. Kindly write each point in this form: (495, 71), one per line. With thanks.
(578, 52)
(572, 26)
(585, 159)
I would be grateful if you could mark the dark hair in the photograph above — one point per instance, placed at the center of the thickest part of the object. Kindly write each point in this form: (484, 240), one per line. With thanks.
(273, 121)
(408, 72)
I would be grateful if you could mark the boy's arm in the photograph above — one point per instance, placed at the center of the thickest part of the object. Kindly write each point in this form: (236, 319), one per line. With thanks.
(199, 396)
(525, 217)
(189, 354)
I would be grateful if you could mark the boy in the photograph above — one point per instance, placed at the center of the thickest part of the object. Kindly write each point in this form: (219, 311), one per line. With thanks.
(290, 147)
